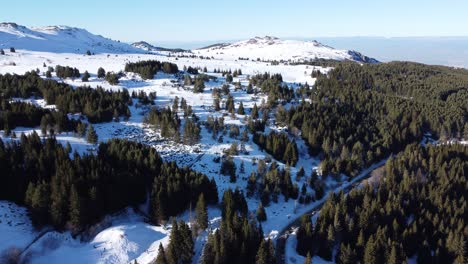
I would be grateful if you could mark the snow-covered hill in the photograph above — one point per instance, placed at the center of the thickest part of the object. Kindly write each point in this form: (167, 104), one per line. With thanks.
(59, 39)
(143, 45)
(272, 48)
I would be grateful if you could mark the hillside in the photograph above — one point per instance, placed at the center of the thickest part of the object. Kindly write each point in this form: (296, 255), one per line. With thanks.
(272, 48)
(59, 39)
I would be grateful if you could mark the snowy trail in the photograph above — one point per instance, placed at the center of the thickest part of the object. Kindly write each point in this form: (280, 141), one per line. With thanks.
(39, 236)
(284, 233)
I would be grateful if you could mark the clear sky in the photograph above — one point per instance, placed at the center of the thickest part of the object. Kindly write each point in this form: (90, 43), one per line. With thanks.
(209, 20)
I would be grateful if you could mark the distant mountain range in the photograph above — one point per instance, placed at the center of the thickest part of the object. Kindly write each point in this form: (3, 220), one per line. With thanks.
(273, 48)
(65, 39)
(143, 45)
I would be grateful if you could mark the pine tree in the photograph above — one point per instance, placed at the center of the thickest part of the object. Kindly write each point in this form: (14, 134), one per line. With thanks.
(161, 258)
(261, 214)
(2, 52)
(346, 255)
(75, 210)
(370, 252)
(254, 113)
(92, 136)
(265, 253)
(85, 77)
(229, 78)
(241, 110)
(201, 213)
(101, 73)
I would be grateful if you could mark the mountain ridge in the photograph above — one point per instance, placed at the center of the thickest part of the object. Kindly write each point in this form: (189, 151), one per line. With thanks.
(59, 39)
(274, 48)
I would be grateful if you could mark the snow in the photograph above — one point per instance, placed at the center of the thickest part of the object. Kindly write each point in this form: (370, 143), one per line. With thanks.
(61, 39)
(15, 227)
(128, 236)
(271, 48)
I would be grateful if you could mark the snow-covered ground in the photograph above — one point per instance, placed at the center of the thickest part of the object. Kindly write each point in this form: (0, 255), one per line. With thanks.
(274, 49)
(58, 39)
(127, 236)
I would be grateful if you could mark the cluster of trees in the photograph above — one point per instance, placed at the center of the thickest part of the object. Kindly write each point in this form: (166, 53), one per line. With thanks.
(76, 192)
(198, 83)
(147, 69)
(67, 72)
(179, 188)
(239, 239)
(271, 182)
(191, 132)
(418, 208)
(191, 70)
(16, 114)
(236, 72)
(279, 146)
(166, 120)
(180, 248)
(112, 78)
(272, 85)
(144, 98)
(214, 125)
(97, 104)
(361, 114)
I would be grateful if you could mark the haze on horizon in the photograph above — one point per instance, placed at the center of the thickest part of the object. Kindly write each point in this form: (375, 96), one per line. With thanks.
(210, 20)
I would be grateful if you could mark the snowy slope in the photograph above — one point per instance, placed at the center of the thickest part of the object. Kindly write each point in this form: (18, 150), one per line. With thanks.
(143, 45)
(272, 48)
(59, 39)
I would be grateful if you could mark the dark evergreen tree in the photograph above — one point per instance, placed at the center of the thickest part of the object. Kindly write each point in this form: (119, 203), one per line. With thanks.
(92, 136)
(241, 110)
(101, 73)
(261, 214)
(85, 77)
(201, 213)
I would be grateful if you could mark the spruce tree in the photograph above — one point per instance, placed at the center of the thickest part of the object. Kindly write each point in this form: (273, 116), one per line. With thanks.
(75, 209)
(241, 110)
(370, 252)
(85, 77)
(161, 258)
(201, 213)
(101, 73)
(92, 136)
(261, 214)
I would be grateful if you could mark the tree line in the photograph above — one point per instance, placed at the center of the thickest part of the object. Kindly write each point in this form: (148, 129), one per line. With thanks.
(147, 69)
(98, 105)
(76, 192)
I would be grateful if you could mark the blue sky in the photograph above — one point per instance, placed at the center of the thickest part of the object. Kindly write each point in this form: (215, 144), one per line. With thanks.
(209, 20)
